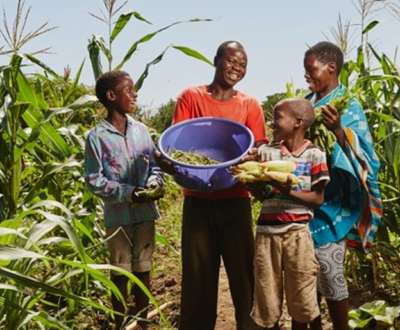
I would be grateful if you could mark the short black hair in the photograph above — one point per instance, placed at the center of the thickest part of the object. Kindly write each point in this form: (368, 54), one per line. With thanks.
(326, 52)
(227, 44)
(299, 108)
(108, 81)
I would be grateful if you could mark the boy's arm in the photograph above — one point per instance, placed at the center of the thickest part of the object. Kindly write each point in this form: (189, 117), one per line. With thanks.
(313, 198)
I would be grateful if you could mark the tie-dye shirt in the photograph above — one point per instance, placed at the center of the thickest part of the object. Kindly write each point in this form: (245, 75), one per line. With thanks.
(116, 164)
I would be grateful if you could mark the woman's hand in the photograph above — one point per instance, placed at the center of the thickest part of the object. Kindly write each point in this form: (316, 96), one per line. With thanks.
(331, 117)
(331, 120)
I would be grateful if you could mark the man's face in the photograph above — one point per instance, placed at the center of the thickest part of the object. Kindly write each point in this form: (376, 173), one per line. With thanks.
(318, 75)
(125, 96)
(231, 66)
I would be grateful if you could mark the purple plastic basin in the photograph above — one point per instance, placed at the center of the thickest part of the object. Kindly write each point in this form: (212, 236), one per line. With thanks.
(223, 140)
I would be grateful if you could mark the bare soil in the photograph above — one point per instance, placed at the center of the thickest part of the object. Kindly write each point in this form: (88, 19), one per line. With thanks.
(166, 287)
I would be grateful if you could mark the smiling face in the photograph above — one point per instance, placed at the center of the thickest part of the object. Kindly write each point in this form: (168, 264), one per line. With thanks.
(283, 123)
(231, 66)
(321, 77)
(124, 97)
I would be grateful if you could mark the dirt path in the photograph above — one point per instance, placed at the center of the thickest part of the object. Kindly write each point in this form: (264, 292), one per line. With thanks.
(226, 317)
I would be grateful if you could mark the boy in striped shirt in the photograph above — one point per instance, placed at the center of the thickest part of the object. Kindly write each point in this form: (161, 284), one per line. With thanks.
(284, 258)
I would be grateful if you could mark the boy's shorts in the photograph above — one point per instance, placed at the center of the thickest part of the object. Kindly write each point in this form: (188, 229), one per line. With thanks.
(285, 262)
(132, 247)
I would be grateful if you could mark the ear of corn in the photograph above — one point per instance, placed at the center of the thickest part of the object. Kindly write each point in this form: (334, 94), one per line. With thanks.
(280, 166)
(280, 177)
(249, 166)
(319, 134)
(252, 171)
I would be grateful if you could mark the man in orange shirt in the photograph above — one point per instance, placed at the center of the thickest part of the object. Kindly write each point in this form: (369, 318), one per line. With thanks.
(219, 224)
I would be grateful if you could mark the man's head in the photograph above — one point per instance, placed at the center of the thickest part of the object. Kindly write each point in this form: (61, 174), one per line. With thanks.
(230, 63)
(322, 64)
(292, 116)
(116, 90)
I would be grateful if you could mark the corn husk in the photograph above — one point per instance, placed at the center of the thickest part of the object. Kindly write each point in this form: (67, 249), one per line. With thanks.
(190, 157)
(150, 194)
(319, 134)
(252, 171)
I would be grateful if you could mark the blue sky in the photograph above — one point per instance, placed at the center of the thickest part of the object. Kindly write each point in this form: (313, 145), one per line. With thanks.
(274, 33)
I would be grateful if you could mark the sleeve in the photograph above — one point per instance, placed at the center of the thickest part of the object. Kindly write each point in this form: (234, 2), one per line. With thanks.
(108, 190)
(256, 121)
(183, 108)
(319, 171)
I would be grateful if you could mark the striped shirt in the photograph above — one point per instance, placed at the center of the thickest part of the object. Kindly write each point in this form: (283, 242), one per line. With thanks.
(311, 169)
(116, 164)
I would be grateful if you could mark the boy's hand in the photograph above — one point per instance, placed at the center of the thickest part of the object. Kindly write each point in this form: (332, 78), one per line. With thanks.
(251, 156)
(138, 196)
(284, 188)
(256, 189)
(164, 164)
(152, 193)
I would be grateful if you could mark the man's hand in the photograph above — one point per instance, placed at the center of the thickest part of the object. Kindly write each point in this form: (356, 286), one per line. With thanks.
(164, 164)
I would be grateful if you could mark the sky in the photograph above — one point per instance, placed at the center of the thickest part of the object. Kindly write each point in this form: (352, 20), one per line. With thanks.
(274, 33)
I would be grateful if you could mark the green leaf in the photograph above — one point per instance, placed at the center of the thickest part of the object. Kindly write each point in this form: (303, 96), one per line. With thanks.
(48, 135)
(373, 308)
(123, 20)
(370, 26)
(359, 324)
(43, 66)
(95, 58)
(355, 313)
(49, 171)
(26, 281)
(72, 88)
(388, 315)
(99, 41)
(139, 82)
(25, 91)
(150, 36)
(9, 81)
(193, 53)
(81, 102)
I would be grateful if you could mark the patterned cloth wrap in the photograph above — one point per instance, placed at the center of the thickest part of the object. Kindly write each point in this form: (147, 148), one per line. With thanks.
(352, 207)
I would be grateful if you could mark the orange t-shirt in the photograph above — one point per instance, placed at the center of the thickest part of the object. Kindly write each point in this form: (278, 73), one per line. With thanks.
(195, 102)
